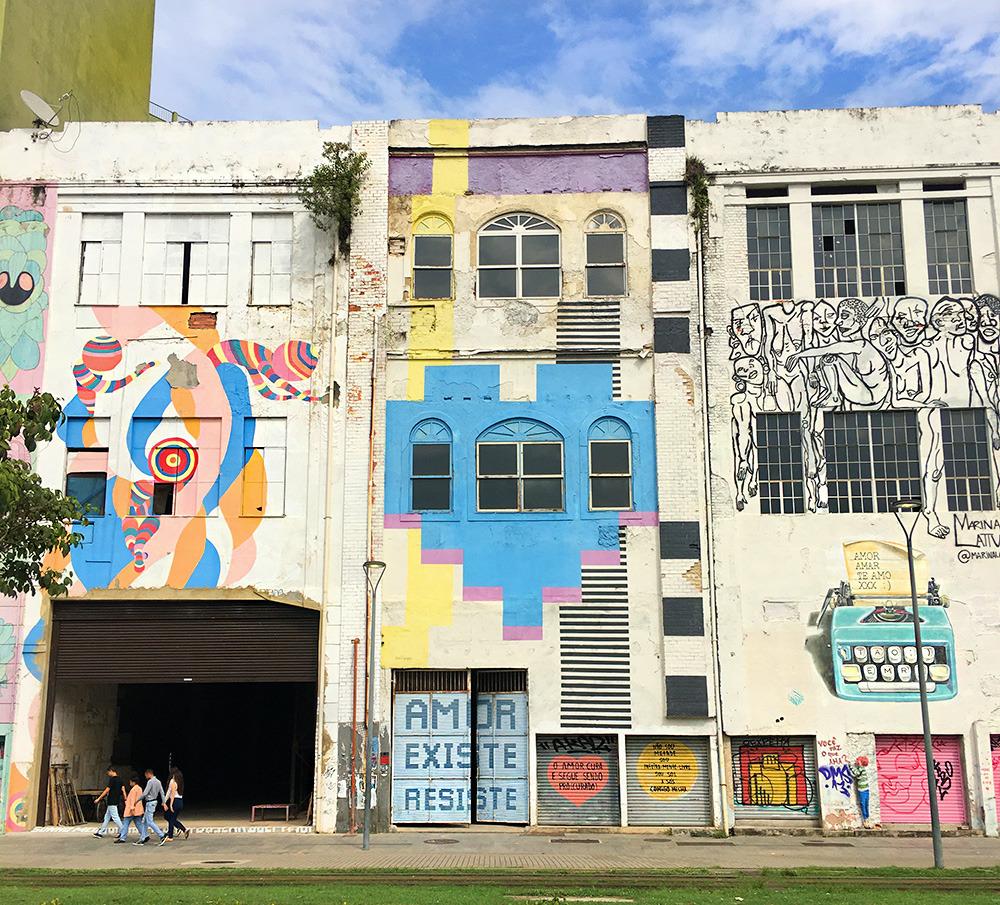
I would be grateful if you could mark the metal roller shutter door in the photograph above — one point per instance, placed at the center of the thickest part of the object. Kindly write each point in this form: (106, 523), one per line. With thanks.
(578, 780)
(902, 778)
(163, 642)
(668, 781)
(774, 778)
(995, 757)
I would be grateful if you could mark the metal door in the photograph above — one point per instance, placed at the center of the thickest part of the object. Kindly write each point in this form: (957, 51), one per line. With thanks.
(432, 758)
(502, 757)
(668, 781)
(578, 780)
(995, 756)
(774, 778)
(902, 778)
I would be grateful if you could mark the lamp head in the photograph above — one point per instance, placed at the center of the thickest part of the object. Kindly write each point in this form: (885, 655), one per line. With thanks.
(373, 572)
(907, 504)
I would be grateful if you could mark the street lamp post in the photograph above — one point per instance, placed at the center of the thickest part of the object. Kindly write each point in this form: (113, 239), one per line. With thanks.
(373, 575)
(914, 506)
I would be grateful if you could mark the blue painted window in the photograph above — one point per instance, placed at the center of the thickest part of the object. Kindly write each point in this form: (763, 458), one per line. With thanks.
(519, 468)
(519, 258)
(610, 453)
(430, 467)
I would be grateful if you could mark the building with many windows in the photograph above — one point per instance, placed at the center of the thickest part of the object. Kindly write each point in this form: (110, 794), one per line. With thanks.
(851, 305)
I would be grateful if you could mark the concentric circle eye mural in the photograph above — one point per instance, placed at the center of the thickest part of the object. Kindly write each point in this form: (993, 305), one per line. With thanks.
(173, 460)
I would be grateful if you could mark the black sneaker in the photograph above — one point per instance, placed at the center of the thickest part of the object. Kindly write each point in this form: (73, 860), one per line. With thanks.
(99, 835)
(121, 841)
(163, 840)
(141, 841)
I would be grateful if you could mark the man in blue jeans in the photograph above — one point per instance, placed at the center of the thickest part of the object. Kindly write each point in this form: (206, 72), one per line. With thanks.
(150, 795)
(114, 791)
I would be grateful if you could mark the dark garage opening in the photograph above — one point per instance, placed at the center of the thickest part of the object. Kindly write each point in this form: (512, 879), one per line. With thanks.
(238, 744)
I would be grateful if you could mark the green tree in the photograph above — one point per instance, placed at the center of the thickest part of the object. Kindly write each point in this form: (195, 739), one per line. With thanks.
(33, 518)
(332, 191)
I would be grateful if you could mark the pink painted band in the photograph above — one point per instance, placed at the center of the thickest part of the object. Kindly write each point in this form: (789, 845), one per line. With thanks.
(522, 633)
(562, 595)
(441, 557)
(406, 520)
(482, 594)
(600, 558)
(646, 519)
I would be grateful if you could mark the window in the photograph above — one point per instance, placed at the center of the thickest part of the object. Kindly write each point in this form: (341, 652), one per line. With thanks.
(605, 256)
(185, 260)
(163, 498)
(858, 249)
(949, 264)
(271, 259)
(432, 258)
(90, 489)
(769, 253)
(610, 450)
(100, 259)
(519, 258)
(519, 468)
(165, 451)
(264, 454)
(430, 467)
(872, 460)
(966, 460)
(779, 463)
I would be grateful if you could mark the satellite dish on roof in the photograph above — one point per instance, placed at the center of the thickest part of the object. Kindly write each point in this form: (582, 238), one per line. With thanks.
(45, 116)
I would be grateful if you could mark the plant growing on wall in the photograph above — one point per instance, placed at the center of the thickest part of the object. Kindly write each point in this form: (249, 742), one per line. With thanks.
(332, 191)
(33, 518)
(697, 180)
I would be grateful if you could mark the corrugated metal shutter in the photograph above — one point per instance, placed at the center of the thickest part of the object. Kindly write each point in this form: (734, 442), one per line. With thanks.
(578, 780)
(204, 641)
(902, 778)
(995, 755)
(502, 757)
(668, 781)
(774, 778)
(431, 757)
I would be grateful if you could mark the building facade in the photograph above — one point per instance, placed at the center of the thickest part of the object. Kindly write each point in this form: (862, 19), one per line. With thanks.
(851, 305)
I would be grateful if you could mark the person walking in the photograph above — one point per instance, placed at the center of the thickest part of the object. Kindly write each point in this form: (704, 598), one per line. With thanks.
(134, 810)
(151, 794)
(114, 791)
(174, 804)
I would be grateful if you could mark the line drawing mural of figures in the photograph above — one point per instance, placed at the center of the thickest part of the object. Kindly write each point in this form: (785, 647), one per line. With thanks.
(853, 373)
(746, 402)
(790, 330)
(812, 357)
(984, 372)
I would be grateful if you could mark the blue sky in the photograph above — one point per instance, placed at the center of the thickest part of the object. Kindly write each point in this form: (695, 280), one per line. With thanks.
(337, 61)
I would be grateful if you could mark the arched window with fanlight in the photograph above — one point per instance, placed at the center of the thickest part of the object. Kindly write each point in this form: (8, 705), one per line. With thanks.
(610, 454)
(430, 467)
(519, 257)
(432, 258)
(519, 468)
(606, 256)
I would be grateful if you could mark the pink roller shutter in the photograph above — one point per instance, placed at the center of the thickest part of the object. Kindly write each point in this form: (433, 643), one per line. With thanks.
(995, 755)
(902, 779)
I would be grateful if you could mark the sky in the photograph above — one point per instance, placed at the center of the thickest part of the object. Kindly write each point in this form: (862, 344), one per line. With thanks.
(337, 62)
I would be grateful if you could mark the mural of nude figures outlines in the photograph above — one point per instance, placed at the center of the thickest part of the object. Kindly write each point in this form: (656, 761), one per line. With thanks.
(809, 357)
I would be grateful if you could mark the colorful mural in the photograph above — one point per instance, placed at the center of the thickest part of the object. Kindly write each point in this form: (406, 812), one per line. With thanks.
(772, 773)
(176, 475)
(872, 643)
(509, 562)
(26, 212)
(901, 353)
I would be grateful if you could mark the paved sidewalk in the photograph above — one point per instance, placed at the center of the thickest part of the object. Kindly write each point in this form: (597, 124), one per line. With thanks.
(460, 848)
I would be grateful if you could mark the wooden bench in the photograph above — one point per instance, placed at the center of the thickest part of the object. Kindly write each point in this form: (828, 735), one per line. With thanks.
(272, 807)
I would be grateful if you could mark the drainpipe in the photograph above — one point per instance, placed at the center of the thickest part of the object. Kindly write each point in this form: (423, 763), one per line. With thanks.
(370, 611)
(327, 542)
(710, 527)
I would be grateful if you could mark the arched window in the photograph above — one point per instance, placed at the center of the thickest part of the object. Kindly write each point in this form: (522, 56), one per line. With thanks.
(605, 255)
(519, 468)
(519, 258)
(432, 258)
(430, 467)
(610, 449)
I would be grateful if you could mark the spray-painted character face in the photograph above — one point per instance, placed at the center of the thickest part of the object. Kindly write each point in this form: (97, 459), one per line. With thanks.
(989, 318)
(948, 317)
(22, 296)
(824, 320)
(748, 371)
(747, 329)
